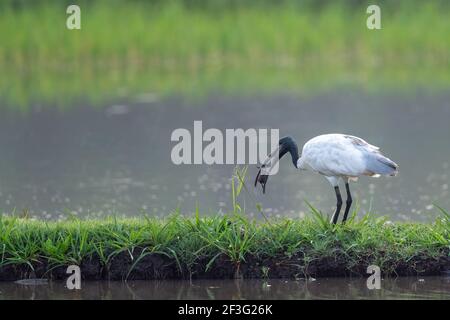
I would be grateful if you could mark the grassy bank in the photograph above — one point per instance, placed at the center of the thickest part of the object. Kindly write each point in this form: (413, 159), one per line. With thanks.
(221, 247)
(195, 48)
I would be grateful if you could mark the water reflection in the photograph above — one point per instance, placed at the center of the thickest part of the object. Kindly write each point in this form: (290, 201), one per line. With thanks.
(333, 288)
(116, 160)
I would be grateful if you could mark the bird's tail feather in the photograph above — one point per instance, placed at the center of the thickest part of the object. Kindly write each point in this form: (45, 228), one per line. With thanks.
(380, 165)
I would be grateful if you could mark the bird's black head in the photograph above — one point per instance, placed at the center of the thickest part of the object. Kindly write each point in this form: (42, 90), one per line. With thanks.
(286, 144)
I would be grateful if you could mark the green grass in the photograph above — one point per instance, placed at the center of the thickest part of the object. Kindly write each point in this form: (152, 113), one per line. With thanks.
(196, 241)
(196, 48)
(189, 240)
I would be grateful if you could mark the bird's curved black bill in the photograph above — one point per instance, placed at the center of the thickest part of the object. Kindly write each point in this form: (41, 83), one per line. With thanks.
(262, 179)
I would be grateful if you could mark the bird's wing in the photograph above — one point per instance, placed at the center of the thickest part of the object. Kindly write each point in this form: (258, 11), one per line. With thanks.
(358, 142)
(376, 163)
(345, 155)
(336, 155)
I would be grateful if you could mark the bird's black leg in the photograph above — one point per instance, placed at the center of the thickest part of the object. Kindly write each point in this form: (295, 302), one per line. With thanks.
(338, 205)
(348, 202)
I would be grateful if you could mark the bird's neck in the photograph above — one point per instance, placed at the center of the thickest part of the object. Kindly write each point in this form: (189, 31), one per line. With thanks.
(288, 145)
(295, 158)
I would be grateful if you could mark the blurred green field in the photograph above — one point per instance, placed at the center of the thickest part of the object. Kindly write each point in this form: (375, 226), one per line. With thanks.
(195, 48)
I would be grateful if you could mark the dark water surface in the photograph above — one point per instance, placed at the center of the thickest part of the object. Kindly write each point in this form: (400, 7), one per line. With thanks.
(332, 288)
(116, 159)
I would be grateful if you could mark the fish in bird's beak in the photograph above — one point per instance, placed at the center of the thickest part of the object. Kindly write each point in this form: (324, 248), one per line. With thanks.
(264, 170)
(261, 178)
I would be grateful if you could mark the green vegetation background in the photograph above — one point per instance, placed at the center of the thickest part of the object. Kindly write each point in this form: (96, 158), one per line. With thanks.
(194, 48)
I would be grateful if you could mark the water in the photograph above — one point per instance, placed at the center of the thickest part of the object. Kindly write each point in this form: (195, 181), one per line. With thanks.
(332, 288)
(116, 160)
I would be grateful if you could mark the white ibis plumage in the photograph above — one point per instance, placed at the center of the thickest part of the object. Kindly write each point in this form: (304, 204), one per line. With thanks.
(336, 157)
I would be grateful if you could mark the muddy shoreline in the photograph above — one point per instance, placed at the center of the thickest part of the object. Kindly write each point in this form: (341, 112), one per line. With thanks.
(158, 267)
